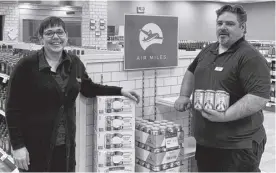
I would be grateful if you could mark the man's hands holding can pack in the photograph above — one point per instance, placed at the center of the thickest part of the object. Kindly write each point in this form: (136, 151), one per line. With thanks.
(183, 103)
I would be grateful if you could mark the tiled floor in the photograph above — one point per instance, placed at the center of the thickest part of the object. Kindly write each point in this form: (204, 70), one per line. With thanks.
(268, 160)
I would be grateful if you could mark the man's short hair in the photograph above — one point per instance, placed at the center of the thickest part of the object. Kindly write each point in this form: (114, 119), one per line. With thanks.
(235, 9)
(50, 22)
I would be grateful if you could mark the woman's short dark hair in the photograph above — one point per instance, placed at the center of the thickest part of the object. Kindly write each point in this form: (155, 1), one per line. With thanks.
(236, 9)
(50, 22)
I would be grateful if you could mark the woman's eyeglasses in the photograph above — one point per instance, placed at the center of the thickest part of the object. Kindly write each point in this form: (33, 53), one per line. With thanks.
(50, 34)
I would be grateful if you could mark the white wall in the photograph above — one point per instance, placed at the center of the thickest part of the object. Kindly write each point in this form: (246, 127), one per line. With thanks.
(197, 20)
(11, 15)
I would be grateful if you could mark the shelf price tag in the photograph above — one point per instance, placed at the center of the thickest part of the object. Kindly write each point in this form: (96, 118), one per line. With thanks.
(171, 142)
(171, 139)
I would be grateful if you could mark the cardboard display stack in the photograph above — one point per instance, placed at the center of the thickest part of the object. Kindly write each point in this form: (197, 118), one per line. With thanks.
(114, 134)
(160, 147)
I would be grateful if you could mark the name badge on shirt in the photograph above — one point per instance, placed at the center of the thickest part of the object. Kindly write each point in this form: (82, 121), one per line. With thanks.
(218, 68)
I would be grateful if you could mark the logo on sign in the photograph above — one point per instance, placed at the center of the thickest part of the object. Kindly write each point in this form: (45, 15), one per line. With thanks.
(150, 34)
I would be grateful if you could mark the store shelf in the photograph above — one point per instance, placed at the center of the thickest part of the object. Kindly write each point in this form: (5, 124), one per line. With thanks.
(189, 147)
(189, 152)
(115, 42)
(269, 104)
(269, 59)
(5, 77)
(2, 112)
(273, 80)
(167, 101)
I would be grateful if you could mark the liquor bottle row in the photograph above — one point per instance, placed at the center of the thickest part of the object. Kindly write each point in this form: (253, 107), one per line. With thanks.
(9, 57)
(272, 92)
(8, 61)
(273, 74)
(272, 69)
(3, 97)
(272, 65)
(115, 38)
(77, 52)
(4, 136)
(192, 46)
(266, 49)
(4, 47)
(268, 52)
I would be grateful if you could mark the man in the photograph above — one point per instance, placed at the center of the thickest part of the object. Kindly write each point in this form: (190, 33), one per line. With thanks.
(233, 140)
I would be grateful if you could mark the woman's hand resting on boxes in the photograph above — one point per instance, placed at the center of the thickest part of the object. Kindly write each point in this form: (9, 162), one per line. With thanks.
(132, 95)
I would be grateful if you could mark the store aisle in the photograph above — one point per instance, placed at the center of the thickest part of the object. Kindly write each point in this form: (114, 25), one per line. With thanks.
(268, 159)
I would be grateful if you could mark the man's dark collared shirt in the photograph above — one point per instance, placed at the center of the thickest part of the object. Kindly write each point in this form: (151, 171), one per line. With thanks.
(242, 70)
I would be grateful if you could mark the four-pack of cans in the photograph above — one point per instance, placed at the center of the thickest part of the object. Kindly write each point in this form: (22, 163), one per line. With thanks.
(114, 134)
(210, 99)
(159, 146)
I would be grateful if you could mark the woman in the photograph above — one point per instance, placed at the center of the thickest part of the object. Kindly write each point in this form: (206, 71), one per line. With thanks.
(41, 97)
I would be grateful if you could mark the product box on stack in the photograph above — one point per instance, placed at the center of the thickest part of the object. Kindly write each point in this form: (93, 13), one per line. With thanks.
(114, 134)
(160, 147)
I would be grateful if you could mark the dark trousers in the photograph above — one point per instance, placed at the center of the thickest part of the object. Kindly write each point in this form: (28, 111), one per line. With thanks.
(229, 160)
(58, 162)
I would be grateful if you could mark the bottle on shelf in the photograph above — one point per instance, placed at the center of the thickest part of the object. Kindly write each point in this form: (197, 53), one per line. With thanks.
(1, 102)
(8, 58)
(2, 99)
(272, 93)
(6, 144)
(2, 63)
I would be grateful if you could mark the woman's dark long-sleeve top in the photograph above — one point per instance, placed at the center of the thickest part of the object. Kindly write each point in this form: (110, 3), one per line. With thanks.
(35, 103)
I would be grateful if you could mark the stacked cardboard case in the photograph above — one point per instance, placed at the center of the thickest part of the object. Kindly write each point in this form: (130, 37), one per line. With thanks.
(160, 147)
(114, 134)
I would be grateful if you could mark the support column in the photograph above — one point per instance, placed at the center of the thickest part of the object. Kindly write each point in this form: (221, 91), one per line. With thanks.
(96, 10)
